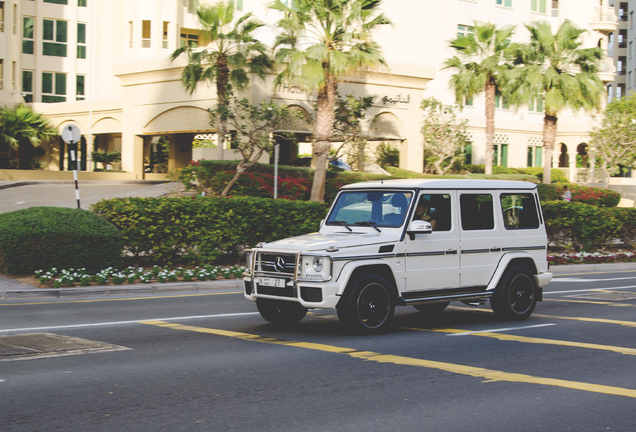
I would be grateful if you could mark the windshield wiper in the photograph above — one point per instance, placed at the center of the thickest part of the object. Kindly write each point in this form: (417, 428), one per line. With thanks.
(371, 224)
(344, 224)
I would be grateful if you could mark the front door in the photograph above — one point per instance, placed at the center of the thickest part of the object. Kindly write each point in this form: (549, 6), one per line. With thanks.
(432, 260)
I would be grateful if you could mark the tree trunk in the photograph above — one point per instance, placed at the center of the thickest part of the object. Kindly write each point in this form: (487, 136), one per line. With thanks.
(490, 125)
(549, 137)
(222, 90)
(242, 166)
(322, 140)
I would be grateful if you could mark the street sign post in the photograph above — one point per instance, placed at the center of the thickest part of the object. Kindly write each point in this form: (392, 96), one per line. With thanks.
(71, 135)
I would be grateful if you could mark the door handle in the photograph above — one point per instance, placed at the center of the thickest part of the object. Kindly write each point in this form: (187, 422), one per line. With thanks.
(495, 249)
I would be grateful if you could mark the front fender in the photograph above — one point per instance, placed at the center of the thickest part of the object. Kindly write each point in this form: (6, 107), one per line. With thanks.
(350, 267)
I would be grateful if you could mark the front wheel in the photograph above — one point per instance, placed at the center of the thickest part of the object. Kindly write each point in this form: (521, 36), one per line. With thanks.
(516, 295)
(368, 305)
(280, 312)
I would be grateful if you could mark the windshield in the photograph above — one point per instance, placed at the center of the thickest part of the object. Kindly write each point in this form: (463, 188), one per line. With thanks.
(365, 208)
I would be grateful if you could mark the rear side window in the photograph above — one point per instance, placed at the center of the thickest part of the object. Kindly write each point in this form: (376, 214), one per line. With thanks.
(519, 211)
(477, 212)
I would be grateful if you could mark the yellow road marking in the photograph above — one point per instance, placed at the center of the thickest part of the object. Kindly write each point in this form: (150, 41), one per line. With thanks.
(595, 320)
(488, 374)
(156, 296)
(524, 339)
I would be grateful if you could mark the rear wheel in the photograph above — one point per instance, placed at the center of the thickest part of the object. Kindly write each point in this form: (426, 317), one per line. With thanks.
(280, 312)
(432, 308)
(368, 305)
(516, 295)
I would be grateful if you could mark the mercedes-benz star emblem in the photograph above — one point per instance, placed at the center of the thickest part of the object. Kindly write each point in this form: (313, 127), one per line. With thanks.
(279, 264)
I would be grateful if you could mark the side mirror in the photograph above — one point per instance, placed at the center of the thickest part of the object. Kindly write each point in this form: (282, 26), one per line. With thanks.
(419, 227)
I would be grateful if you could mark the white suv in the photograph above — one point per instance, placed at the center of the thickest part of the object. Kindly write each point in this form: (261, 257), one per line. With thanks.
(476, 240)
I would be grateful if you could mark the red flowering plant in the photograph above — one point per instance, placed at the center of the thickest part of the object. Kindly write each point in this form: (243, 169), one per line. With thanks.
(591, 195)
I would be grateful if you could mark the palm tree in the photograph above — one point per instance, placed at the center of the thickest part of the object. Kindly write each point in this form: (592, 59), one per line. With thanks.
(482, 64)
(22, 130)
(556, 67)
(320, 41)
(231, 53)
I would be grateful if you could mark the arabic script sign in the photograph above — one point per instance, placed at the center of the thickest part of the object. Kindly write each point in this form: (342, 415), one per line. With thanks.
(397, 99)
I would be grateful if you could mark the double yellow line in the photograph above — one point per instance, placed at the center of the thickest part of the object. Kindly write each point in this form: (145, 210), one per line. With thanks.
(488, 375)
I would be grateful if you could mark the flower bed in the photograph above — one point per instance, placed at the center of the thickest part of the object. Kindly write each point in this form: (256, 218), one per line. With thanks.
(591, 258)
(55, 278)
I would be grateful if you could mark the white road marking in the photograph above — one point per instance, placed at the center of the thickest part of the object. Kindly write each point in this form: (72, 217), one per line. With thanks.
(114, 323)
(558, 279)
(500, 330)
(21, 202)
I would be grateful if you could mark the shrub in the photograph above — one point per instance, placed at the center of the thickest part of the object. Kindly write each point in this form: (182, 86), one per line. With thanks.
(578, 225)
(293, 182)
(201, 230)
(46, 237)
(591, 195)
(627, 233)
(548, 192)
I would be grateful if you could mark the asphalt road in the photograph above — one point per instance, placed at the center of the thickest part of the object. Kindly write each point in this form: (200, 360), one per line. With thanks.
(208, 362)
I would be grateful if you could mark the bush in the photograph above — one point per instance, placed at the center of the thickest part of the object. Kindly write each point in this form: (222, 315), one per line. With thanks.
(548, 192)
(627, 233)
(591, 195)
(46, 237)
(582, 226)
(201, 230)
(293, 182)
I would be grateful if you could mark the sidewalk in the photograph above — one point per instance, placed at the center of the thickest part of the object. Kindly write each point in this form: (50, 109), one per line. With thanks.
(12, 289)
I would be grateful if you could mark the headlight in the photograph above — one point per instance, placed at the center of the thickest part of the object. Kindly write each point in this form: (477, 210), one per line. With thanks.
(315, 268)
(318, 264)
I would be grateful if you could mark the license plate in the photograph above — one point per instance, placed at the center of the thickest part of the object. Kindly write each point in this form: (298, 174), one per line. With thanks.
(272, 282)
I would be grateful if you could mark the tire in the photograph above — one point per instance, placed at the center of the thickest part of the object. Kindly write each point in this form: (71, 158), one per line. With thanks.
(368, 305)
(432, 308)
(516, 295)
(280, 312)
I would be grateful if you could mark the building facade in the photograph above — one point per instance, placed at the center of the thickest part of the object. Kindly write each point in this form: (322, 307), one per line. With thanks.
(105, 67)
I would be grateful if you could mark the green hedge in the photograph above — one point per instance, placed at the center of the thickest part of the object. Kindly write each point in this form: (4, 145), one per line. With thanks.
(201, 230)
(44, 237)
(588, 227)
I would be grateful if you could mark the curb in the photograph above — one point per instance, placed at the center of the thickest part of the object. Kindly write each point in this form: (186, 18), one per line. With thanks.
(110, 290)
(573, 268)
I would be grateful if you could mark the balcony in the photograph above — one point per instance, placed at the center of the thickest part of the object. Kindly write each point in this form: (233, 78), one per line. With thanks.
(604, 19)
(607, 72)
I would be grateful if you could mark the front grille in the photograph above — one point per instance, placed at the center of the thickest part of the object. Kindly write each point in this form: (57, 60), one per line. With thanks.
(277, 263)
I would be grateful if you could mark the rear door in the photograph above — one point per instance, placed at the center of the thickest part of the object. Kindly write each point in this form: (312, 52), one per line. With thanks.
(480, 236)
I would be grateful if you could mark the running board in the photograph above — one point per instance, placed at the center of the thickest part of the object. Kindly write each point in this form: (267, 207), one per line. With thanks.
(448, 297)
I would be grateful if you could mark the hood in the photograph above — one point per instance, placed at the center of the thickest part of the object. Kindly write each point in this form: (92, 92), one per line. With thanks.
(320, 242)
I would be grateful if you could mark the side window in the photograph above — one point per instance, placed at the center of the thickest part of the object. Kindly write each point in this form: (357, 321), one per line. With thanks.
(519, 211)
(436, 209)
(477, 212)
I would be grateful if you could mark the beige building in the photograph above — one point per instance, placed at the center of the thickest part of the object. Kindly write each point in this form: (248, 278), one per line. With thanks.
(104, 66)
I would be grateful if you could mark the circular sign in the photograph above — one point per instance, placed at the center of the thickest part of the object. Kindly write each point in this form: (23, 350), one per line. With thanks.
(71, 133)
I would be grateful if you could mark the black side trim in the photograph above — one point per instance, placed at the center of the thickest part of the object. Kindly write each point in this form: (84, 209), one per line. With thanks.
(411, 295)
(525, 248)
(386, 248)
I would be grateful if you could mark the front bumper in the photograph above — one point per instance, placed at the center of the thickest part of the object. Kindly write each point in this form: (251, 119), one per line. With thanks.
(321, 295)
